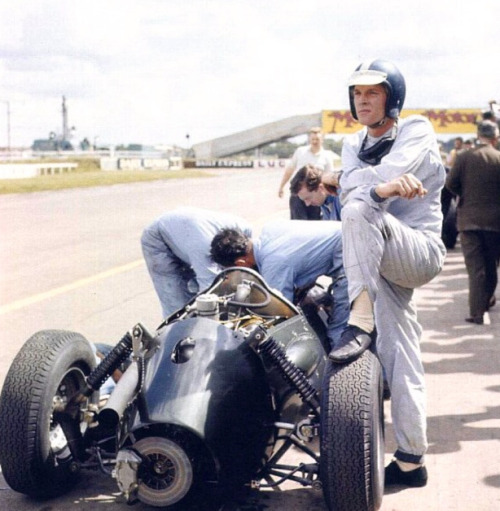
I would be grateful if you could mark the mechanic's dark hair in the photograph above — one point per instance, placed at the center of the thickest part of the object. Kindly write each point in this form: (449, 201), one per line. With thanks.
(228, 245)
(309, 175)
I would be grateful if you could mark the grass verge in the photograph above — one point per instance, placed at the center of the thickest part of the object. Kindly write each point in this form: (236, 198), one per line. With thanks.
(88, 177)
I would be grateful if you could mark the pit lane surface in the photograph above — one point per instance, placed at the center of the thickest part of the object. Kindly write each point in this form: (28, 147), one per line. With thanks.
(72, 260)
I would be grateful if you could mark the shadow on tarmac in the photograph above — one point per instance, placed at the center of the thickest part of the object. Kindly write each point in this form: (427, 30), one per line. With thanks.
(98, 492)
(456, 347)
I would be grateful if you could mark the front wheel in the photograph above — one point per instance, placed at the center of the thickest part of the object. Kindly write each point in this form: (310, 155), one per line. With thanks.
(352, 435)
(49, 369)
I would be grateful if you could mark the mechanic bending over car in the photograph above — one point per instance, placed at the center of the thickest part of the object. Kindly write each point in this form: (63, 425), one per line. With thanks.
(308, 186)
(391, 228)
(291, 255)
(176, 248)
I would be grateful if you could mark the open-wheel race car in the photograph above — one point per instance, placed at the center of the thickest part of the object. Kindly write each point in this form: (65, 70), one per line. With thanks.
(212, 400)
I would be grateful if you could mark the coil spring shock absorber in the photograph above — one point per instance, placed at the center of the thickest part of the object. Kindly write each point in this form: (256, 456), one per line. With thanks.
(112, 361)
(291, 373)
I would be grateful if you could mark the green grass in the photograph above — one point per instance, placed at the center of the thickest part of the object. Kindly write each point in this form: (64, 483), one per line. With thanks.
(88, 174)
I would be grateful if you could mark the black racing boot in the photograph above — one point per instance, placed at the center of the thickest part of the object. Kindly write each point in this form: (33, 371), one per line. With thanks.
(413, 478)
(353, 342)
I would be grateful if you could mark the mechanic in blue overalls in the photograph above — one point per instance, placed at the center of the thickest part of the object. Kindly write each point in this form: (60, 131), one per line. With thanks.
(176, 248)
(291, 255)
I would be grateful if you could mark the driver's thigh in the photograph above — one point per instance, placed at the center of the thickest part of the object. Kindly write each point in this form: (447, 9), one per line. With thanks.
(410, 258)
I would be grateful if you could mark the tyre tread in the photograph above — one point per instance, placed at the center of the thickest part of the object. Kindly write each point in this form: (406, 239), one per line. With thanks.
(346, 429)
(21, 405)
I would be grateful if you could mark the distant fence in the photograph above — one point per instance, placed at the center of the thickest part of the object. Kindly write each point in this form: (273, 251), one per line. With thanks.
(140, 163)
(28, 155)
(136, 162)
(27, 170)
(229, 163)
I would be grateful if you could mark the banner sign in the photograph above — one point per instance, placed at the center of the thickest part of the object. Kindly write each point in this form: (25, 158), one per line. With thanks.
(444, 120)
(271, 164)
(219, 164)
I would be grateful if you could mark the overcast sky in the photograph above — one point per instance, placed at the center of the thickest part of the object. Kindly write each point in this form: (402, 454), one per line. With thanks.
(152, 71)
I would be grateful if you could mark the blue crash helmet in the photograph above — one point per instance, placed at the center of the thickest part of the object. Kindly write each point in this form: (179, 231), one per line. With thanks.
(380, 72)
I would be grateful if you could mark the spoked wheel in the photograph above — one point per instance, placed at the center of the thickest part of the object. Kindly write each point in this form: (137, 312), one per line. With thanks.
(165, 475)
(46, 373)
(352, 435)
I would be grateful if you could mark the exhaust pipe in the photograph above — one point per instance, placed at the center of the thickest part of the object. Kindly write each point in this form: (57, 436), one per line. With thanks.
(121, 396)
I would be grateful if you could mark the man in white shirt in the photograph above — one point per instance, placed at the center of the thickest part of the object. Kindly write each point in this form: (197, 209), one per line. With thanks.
(313, 154)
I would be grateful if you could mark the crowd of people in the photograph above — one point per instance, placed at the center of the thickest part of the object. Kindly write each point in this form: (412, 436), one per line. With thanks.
(373, 227)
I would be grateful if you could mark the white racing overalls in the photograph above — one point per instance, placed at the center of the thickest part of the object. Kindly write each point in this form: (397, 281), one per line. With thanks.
(391, 247)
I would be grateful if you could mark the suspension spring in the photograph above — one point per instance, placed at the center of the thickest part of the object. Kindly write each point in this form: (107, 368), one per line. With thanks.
(291, 373)
(109, 364)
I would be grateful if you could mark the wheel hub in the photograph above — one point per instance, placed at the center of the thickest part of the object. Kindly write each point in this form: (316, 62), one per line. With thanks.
(163, 477)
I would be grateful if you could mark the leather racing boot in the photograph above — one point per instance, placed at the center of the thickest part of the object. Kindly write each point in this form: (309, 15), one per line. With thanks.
(353, 342)
(413, 478)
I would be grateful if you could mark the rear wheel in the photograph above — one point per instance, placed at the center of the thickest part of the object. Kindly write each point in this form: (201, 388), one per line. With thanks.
(166, 473)
(48, 370)
(352, 435)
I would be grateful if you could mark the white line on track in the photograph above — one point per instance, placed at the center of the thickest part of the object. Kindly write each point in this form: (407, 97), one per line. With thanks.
(19, 304)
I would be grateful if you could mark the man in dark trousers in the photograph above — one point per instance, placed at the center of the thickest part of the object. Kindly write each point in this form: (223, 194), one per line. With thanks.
(475, 178)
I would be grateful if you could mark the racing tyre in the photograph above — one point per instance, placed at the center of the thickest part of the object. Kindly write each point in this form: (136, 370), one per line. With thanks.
(352, 435)
(48, 370)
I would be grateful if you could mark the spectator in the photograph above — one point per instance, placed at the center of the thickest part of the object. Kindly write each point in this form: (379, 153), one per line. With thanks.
(468, 144)
(493, 113)
(315, 154)
(176, 248)
(290, 256)
(475, 178)
(449, 232)
(391, 224)
(458, 147)
(307, 185)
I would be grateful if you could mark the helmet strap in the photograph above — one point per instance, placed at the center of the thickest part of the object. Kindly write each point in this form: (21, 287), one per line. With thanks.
(379, 123)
